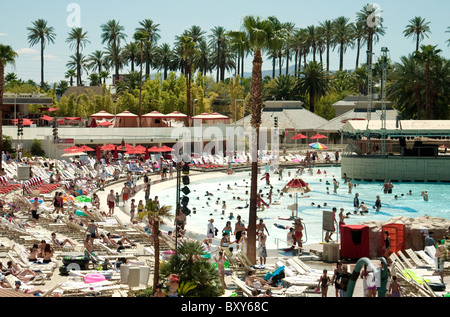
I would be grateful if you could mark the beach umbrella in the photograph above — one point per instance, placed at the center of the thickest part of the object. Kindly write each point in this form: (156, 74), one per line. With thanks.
(52, 109)
(108, 147)
(296, 186)
(46, 118)
(93, 124)
(72, 148)
(299, 136)
(74, 153)
(105, 124)
(318, 146)
(116, 153)
(147, 156)
(86, 148)
(318, 136)
(141, 148)
(97, 152)
(166, 149)
(154, 149)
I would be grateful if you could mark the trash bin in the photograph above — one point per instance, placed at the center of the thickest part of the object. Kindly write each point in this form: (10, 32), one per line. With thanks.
(134, 276)
(331, 252)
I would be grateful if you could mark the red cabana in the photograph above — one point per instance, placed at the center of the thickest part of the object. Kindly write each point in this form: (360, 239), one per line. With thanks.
(127, 119)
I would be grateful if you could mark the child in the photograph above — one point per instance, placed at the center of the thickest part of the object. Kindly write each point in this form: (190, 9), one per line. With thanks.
(117, 199)
(140, 207)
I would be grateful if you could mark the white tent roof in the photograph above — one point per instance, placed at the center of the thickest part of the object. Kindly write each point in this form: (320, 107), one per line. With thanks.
(404, 127)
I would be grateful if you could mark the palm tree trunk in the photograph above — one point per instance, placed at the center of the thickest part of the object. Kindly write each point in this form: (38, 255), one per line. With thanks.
(273, 66)
(156, 248)
(287, 62)
(358, 52)
(430, 113)
(341, 58)
(42, 64)
(328, 58)
(2, 85)
(188, 91)
(256, 94)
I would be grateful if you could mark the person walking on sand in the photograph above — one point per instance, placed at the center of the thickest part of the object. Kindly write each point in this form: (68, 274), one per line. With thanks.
(239, 228)
(126, 190)
(111, 200)
(220, 260)
(324, 282)
(262, 238)
(395, 290)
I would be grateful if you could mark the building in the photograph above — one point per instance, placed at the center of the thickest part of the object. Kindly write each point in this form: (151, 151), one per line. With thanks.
(292, 118)
(416, 150)
(359, 102)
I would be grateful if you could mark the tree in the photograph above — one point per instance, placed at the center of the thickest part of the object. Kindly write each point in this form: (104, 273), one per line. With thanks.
(7, 56)
(164, 58)
(131, 54)
(78, 39)
(259, 32)
(70, 74)
(373, 30)
(188, 49)
(359, 33)
(283, 87)
(328, 33)
(448, 31)
(151, 30)
(156, 215)
(113, 34)
(342, 37)
(314, 83)
(96, 61)
(428, 56)
(41, 33)
(417, 28)
(79, 62)
(219, 44)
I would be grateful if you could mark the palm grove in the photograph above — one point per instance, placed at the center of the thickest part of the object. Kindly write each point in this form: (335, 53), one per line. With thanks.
(418, 83)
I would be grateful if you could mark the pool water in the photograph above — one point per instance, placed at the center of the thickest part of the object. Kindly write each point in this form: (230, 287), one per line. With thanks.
(438, 204)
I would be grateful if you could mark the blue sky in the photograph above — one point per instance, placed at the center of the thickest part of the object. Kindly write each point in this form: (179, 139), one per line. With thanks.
(174, 16)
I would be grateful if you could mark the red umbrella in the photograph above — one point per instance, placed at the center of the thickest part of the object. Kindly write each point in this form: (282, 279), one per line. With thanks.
(108, 147)
(166, 149)
(296, 185)
(141, 148)
(97, 150)
(93, 124)
(299, 136)
(116, 153)
(46, 118)
(52, 109)
(154, 149)
(319, 136)
(147, 156)
(105, 124)
(86, 148)
(72, 148)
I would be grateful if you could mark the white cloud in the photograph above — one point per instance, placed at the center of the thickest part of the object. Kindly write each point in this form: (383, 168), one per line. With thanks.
(27, 51)
(3, 34)
(48, 57)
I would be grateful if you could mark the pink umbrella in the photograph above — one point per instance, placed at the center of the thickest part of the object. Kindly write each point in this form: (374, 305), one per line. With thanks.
(296, 185)
(166, 149)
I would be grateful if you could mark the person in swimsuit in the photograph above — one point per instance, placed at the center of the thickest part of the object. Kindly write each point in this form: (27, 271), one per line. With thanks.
(387, 246)
(338, 271)
(394, 288)
(220, 260)
(174, 282)
(92, 228)
(132, 210)
(324, 281)
(238, 229)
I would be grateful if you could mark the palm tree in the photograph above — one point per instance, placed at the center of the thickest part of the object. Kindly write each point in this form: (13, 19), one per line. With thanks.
(156, 215)
(164, 58)
(188, 49)
(343, 37)
(239, 44)
(259, 32)
(328, 33)
(218, 43)
(7, 56)
(78, 40)
(359, 33)
(79, 62)
(202, 60)
(448, 31)
(312, 38)
(299, 47)
(314, 83)
(418, 28)
(71, 73)
(428, 55)
(289, 28)
(97, 61)
(41, 33)
(113, 34)
(131, 54)
(196, 33)
(283, 87)
(151, 29)
(374, 32)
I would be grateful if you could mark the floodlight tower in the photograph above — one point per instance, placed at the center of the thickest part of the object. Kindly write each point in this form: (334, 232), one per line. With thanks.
(384, 57)
(369, 93)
